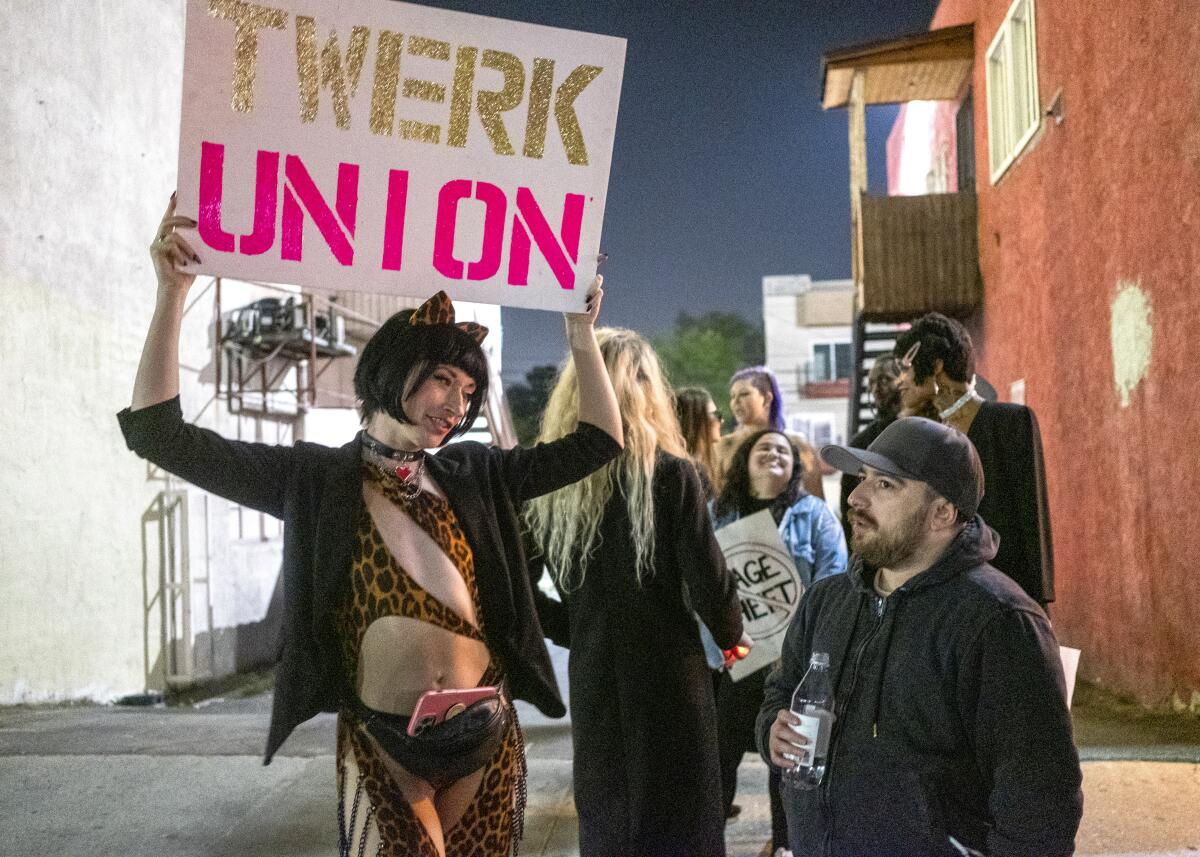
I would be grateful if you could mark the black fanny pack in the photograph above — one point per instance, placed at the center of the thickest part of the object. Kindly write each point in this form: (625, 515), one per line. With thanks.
(444, 752)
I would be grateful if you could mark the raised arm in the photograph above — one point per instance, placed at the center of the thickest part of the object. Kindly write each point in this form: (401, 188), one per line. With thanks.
(251, 474)
(530, 472)
(158, 371)
(597, 401)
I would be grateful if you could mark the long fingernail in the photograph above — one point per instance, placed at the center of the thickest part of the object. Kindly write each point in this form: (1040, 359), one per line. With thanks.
(173, 195)
(195, 258)
(193, 222)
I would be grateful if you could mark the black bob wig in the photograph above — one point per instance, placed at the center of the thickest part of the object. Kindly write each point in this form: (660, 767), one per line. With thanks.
(400, 357)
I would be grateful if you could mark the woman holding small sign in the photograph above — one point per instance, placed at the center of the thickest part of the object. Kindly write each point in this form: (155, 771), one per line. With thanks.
(765, 473)
(408, 610)
(632, 553)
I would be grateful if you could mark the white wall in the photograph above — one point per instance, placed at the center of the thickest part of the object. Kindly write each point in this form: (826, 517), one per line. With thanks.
(90, 118)
(90, 115)
(789, 345)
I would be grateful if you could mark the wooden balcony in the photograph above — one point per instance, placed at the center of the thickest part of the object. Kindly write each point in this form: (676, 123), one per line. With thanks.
(838, 389)
(919, 254)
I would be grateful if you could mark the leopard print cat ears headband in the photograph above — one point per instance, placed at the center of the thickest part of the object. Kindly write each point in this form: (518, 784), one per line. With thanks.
(439, 310)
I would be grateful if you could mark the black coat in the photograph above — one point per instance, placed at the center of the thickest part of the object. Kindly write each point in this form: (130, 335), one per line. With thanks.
(647, 776)
(317, 492)
(1014, 494)
(951, 715)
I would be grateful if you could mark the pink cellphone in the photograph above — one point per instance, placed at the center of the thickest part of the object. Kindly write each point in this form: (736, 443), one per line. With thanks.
(437, 706)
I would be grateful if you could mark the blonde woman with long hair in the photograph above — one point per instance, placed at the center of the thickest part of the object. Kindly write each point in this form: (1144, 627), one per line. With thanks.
(631, 551)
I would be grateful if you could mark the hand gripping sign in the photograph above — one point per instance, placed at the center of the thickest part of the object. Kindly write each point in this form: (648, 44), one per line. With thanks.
(369, 145)
(768, 585)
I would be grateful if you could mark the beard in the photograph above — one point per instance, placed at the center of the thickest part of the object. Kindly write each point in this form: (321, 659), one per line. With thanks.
(887, 549)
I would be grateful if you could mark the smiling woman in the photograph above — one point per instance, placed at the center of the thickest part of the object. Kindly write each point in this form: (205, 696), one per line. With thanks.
(765, 473)
(420, 384)
(403, 570)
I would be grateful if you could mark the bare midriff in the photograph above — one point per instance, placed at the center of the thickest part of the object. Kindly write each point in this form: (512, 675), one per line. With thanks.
(401, 658)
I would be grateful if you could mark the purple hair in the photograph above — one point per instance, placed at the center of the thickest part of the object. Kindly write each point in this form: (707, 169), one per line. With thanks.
(764, 381)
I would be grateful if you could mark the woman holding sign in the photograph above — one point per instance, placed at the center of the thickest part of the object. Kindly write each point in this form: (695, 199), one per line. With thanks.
(407, 607)
(766, 473)
(632, 553)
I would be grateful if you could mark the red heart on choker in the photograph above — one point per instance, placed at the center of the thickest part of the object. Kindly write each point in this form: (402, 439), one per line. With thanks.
(402, 473)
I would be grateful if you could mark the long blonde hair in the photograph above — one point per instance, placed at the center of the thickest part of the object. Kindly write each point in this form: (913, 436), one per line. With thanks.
(566, 523)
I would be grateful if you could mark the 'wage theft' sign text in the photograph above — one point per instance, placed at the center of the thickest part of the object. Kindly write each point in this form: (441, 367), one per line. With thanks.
(768, 585)
(368, 145)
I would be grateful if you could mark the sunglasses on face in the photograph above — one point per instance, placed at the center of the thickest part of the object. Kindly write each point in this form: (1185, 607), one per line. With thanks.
(715, 416)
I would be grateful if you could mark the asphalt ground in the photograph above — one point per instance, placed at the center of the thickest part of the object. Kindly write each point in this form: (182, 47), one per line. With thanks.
(188, 780)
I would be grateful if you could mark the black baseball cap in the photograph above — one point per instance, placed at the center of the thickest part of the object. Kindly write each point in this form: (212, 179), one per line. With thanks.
(927, 451)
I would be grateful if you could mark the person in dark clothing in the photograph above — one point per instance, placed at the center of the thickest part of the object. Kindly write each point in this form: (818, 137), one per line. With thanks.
(937, 366)
(951, 727)
(402, 570)
(632, 555)
(885, 395)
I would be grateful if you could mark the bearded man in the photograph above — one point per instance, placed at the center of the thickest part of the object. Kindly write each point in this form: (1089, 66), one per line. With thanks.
(951, 732)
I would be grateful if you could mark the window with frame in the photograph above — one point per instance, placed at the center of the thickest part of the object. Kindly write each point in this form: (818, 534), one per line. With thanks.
(1012, 91)
(817, 428)
(831, 361)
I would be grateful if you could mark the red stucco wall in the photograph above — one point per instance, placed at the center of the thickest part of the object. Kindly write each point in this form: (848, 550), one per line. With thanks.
(1111, 195)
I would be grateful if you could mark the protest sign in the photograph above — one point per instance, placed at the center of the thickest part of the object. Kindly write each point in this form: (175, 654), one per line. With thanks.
(768, 585)
(369, 145)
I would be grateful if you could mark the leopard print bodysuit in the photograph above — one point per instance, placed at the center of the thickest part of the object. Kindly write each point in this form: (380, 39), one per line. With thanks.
(491, 824)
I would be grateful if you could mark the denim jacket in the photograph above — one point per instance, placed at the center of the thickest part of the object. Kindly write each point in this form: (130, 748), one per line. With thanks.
(815, 538)
(816, 541)
(812, 534)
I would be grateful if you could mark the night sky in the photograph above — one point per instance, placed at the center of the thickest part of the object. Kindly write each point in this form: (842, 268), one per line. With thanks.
(725, 168)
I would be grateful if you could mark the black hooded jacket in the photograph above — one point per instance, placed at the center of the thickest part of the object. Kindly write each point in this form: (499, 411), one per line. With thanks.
(951, 715)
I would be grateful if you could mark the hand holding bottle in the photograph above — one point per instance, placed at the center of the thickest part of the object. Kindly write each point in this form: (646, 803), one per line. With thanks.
(811, 722)
(787, 746)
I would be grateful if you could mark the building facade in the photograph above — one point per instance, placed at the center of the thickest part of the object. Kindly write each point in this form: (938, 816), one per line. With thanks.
(115, 577)
(808, 343)
(1077, 130)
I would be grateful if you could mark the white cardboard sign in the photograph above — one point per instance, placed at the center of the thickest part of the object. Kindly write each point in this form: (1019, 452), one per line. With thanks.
(370, 145)
(768, 585)
(1070, 665)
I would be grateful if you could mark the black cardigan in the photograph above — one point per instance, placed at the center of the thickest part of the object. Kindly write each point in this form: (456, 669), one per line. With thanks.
(317, 491)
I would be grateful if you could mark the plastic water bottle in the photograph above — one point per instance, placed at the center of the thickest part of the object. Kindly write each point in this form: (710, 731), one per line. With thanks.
(812, 701)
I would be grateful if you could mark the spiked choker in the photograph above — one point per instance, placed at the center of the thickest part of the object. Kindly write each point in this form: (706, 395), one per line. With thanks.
(404, 465)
